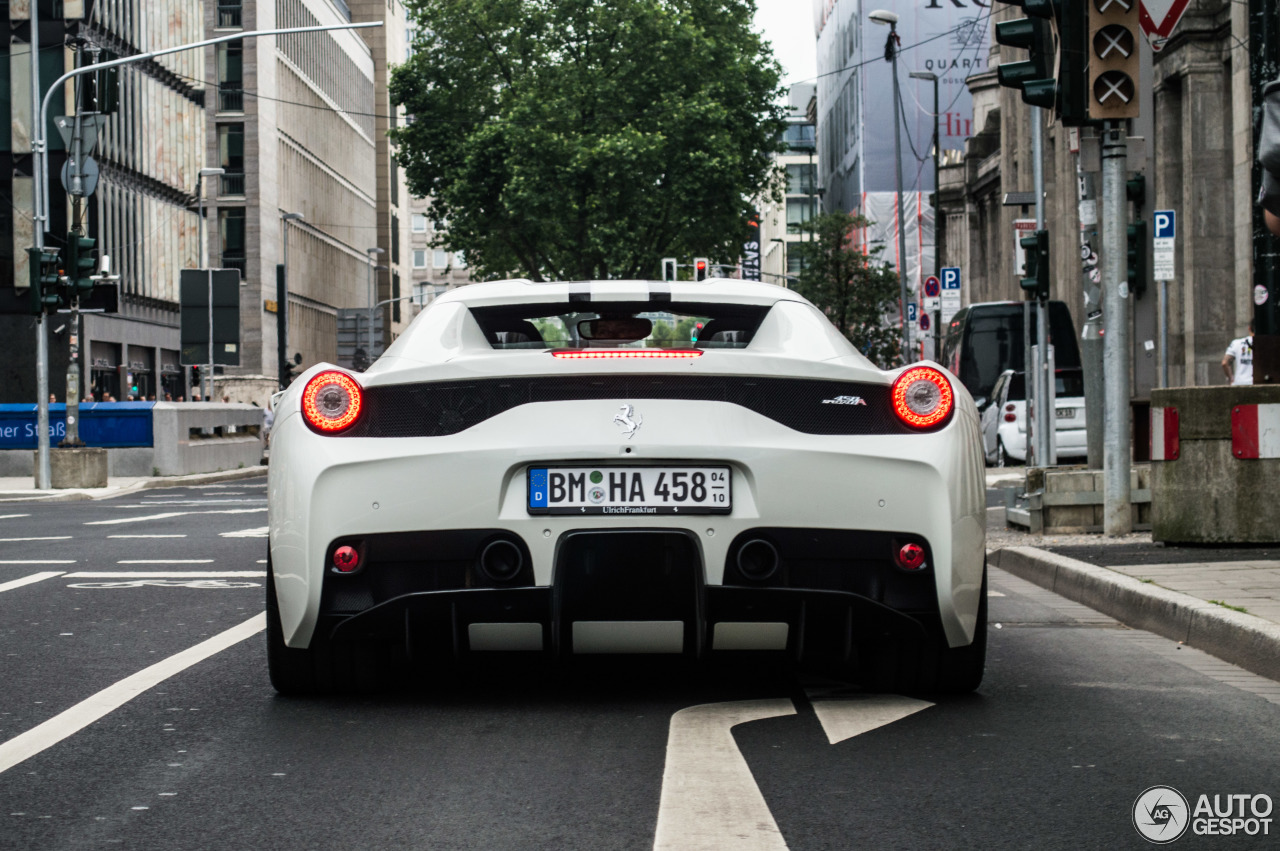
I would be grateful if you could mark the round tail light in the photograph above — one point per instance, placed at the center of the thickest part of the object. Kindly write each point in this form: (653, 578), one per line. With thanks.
(346, 560)
(911, 556)
(1011, 418)
(922, 397)
(331, 402)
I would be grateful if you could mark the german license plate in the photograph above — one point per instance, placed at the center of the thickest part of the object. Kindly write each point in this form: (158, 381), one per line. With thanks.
(617, 490)
(1066, 413)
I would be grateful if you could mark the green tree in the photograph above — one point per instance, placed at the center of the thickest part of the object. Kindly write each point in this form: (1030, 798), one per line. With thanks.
(856, 290)
(575, 139)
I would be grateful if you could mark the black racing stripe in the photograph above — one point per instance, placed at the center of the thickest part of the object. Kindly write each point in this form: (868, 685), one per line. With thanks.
(579, 292)
(659, 292)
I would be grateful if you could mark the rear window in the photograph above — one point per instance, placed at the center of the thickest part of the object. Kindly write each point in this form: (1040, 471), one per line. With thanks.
(588, 325)
(1070, 382)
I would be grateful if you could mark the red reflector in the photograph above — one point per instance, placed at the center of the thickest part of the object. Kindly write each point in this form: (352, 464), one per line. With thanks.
(911, 556)
(1010, 407)
(346, 560)
(600, 354)
(1011, 418)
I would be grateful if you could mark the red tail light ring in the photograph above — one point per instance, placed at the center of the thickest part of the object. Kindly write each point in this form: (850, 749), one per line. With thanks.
(911, 557)
(331, 402)
(922, 397)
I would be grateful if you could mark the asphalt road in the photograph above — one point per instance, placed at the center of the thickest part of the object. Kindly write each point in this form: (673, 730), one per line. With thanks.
(1077, 717)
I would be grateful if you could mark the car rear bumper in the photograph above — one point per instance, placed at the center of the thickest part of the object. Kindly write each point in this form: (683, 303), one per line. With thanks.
(324, 490)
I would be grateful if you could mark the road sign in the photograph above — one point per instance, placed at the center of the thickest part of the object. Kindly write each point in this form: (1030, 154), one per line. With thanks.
(1157, 18)
(1162, 255)
(924, 321)
(931, 286)
(88, 176)
(913, 311)
(194, 317)
(950, 298)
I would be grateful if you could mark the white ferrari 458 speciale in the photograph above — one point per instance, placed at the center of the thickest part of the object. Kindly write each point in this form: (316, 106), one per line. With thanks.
(699, 468)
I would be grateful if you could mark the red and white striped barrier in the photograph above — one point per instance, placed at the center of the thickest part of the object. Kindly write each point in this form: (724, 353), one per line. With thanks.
(1164, 434)
(1255, 431)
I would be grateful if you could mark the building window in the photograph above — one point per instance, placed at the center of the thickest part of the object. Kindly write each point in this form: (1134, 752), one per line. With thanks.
(231, 77)
(395, 174)
(798, 210)
(231, 154)
(459, 261)
(794, 265)
(799, 137)
(231, 222)
(418, 222)
(801, 178)
(229, 14)
(395, 295)
(395, 239)
(419, 258)
(441, 259)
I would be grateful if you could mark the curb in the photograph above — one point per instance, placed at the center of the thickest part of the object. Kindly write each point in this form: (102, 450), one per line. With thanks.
(147, 484)
(1246, 640)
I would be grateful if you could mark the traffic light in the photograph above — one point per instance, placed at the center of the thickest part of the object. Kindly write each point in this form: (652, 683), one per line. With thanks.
(1036, 267)
(700, 267)
(1113, 59)
(1053, 75)
(669, 269)
(106, 86)
(42, 265)
(81, 264)
(1136, 241)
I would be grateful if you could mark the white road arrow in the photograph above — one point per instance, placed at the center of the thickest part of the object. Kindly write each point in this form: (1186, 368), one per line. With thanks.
(710, 800)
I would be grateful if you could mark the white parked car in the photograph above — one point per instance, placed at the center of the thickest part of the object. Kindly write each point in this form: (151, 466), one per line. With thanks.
(556, 468)
(1004, 418)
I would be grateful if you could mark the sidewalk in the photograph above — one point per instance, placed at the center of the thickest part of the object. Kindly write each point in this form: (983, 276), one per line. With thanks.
(23, 488)
(1223, 600)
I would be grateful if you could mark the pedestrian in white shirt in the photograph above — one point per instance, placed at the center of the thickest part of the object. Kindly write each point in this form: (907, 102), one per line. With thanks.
(1237, 363)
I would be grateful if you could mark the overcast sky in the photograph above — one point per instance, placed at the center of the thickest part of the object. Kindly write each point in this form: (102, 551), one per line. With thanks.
(788, 24)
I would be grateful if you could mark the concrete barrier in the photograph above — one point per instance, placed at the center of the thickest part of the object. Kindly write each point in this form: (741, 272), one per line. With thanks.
(1206, 494)
(186, 437)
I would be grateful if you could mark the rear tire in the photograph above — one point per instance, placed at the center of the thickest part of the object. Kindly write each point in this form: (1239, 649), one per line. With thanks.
(292, 669)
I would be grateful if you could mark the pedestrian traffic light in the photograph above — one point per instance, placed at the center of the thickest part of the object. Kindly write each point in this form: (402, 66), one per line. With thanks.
(80, 264)
(700, 267)
(1053, 75)
(1113, 59)
(1036, 265)
(669, 269)
(44, 285)
(1136, 239)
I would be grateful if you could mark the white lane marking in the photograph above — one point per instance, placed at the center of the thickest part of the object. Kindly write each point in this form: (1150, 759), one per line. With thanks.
(165, 583)
(258, 532)
(167, 574)
(39, 561)
(166, 515)
(165, 561)
(50, 538)
(146, 536)
(75, 719)
(709, 798)
(852, 715)
(29, 580)
(12, 516)
(995, 594)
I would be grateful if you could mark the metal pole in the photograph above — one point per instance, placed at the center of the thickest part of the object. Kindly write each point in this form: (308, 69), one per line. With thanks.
(43, 474)
(1043, 381)
(902, 232)
(369, 354)
(937, 196)
(1091, 333)
(1116, 518)
(1164, 333)
(282, 309)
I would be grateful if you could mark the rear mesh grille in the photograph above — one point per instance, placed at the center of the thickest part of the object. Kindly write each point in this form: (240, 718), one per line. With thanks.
(434, 409)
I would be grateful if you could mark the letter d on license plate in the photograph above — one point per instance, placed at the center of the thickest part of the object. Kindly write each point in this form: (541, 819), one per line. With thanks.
(630, 490)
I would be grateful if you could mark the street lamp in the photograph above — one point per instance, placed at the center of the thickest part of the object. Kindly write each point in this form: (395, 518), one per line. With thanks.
(204, 262)
(937, 193)
(373, 253)
(282, 306)
(880, 16)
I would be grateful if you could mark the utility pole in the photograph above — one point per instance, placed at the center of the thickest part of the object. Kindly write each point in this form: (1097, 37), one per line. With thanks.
(1044, 385)
(40, 176)
(1091, 334)
(1116, 511)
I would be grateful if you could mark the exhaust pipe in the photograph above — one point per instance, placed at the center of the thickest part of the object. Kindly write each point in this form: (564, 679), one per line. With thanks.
(501, 561)
(758, 560)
